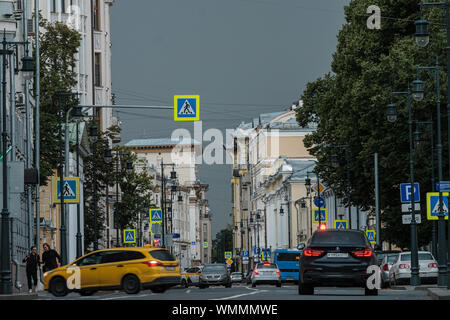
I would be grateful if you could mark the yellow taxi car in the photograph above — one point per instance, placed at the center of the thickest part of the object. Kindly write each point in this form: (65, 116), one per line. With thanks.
(127, 269)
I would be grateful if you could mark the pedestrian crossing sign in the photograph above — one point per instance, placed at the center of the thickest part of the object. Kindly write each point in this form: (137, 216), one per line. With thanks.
(155, 215)
(193, 243)
(187, 108)
(341, 224)
(205, 244)
(433, 205)
(323, 215)
(129, 236)
(71, 190)
(228, 255)
(371, 236)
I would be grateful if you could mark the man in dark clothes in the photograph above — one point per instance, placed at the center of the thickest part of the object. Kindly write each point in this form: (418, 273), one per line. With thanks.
(33, 265)
(49, 258)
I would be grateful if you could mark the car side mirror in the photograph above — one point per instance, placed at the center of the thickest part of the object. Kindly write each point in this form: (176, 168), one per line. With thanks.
(301, 246)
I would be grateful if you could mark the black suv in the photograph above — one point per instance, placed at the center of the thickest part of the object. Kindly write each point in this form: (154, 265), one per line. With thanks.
(336, 258)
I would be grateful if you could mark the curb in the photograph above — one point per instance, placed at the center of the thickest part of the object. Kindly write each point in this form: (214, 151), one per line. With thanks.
(439, 293)
(19, 296)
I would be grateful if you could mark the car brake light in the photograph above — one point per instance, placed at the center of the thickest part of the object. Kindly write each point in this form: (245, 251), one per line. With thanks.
(278, 272)
(256, 272)
(403, 266)
(312, 253)
(362, 253)
(153, 263)
(386, 267)
(432, 265)
(323, 227)
(267, 264)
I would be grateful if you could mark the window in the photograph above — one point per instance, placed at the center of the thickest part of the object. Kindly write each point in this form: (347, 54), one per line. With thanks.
(96, 16)
(63, 6)
(282, 256)
(114, 256)
(52, 5)
(162, 255)
(339, 238)
(91, 259)
(98, 70)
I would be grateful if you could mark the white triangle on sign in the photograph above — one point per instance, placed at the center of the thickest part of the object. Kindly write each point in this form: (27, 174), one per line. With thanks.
(436, 207)
(67, 190)
(156, 215)
(186, 108)
(129, 236)
(341, 226)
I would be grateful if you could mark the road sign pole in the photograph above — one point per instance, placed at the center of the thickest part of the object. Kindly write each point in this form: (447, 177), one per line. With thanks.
(377, 201)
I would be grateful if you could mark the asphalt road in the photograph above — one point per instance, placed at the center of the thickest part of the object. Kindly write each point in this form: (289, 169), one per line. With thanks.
(242, 292)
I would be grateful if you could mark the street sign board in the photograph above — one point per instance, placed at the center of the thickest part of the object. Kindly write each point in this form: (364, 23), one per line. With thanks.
(406, 207)
(129, 236)
(406, 193)
(228, 255)
(193, 243)
(323, 215)
(155, 215)
(176, 236)
(256, 251)
(229, 262)
(156, 228)
(433, 205)
(341, 224)
(371, 236)
(319, 187)
(319, 202)
(71, 190)
(406, 218)
(266, 254)
(187, 108)
(157, 236)
(205, 244)
(245, 254)
(443, 186)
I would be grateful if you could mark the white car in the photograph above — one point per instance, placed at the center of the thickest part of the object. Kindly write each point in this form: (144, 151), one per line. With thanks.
(266, 273)
(400, 271)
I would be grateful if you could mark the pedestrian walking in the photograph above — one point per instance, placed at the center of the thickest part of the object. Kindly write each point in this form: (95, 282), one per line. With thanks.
(50, 258)
(33, 264)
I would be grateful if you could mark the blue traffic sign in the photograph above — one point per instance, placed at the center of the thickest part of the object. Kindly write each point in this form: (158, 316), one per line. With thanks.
(157, 236)
(433, 205)
(319, 202)
(186, 108)
(443, 186)
(256, 250)
(155, 215)
(244, 254)
(323, 215)
(129, 236)
(71, 190)
(406, 194)
(371, 236)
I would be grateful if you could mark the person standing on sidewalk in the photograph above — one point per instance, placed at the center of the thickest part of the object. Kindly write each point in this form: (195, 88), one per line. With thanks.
(50, 258)
(32, 267)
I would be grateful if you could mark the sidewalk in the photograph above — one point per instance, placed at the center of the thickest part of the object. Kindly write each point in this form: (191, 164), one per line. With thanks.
(435, 292)
(19, 296)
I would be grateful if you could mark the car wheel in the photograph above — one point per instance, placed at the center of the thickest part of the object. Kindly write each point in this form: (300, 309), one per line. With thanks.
(253, 285)
(305, 288)
(131, 284)
(279, 284)
(86, 293)
(370, 292)
(58, 287)
(158, 289)
(184, 283)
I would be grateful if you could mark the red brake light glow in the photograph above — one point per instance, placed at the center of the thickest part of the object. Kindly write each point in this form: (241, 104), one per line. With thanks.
(153, 263)
(312, 253)
(256, 272)
(404, 266)
(432, 265)
(362, 253)
(386, 267)
(323, 227)
(278, 272)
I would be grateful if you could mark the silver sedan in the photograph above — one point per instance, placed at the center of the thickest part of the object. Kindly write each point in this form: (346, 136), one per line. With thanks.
(266, 273)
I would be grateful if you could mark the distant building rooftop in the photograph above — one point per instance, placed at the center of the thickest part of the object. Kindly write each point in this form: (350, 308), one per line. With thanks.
(160, 142)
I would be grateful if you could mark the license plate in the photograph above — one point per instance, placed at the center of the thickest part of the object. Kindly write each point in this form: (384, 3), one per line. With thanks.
(170, 268)
(337, 255)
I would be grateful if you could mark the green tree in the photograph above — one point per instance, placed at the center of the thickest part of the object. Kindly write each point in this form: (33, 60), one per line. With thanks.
(223, 242)
(58, 47)
(349, 107)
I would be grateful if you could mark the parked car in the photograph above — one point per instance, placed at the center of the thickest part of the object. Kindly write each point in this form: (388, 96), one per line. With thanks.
(127, 269)
(400, 271)
(191, 276)
(215, 274)
(336, 258)
(381, 254)
(266, 273)
(386, 264)
(236, 277)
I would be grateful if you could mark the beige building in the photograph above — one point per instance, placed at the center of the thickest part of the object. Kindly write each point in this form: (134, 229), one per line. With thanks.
(269, 171)
(187, 210)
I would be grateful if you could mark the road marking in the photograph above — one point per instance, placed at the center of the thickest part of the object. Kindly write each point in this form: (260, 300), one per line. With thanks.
(127, 296)
(241, 295)
(189, 291)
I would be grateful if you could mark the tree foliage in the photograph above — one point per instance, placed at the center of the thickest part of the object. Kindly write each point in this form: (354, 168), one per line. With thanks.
(349, 107)
(58, 48)
(223, 242)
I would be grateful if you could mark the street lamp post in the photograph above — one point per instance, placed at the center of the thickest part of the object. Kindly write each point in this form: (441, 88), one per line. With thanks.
(422, 37)
(173, 176)
(94, 139)
(335, 164)
(78, 116)
(415, 279)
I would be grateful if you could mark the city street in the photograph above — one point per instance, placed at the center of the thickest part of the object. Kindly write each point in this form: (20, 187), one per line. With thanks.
(241, 292)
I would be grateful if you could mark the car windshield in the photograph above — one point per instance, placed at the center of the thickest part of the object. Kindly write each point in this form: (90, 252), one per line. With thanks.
(422, 256)
(338, 237)
(214, 268)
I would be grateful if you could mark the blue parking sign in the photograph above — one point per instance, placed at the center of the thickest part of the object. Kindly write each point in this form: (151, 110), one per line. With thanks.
(406, 192)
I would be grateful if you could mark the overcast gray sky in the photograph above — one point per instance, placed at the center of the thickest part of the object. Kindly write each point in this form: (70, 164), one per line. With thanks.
(243, 57)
